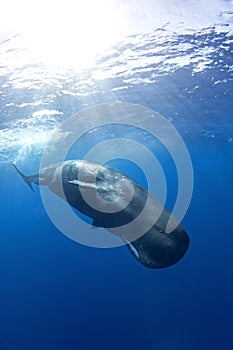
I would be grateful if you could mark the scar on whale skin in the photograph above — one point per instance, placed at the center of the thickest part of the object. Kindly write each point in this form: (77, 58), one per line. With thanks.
(155, 248)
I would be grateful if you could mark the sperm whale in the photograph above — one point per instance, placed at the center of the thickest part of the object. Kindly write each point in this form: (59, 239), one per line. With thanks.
(116, 202)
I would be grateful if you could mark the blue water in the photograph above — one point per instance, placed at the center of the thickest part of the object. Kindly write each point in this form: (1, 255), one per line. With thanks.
(58, 294)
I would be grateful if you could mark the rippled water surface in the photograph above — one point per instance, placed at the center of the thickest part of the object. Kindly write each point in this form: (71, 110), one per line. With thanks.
(178, 74)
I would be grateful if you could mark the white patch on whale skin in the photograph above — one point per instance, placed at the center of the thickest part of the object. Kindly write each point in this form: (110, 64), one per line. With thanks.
(83, 184)
(131, 247)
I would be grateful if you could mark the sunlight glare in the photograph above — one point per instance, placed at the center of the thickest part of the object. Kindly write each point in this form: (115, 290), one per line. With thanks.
(67, 33)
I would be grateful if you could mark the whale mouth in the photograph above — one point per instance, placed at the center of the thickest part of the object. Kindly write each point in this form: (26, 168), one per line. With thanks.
(154, 249)
(159, 250)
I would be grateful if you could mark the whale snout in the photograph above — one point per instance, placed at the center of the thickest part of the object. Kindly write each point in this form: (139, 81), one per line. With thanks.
(160, 250)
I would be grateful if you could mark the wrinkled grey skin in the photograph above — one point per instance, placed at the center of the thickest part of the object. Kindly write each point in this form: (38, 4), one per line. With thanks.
(155, 248)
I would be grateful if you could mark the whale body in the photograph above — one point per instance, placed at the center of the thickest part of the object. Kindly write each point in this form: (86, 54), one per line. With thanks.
(77, 180)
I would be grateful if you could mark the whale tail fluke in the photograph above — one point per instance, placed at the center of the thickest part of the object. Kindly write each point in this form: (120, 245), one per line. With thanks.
(27, 179)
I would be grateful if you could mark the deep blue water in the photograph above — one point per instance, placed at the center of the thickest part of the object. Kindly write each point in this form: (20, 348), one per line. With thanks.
(58, 294)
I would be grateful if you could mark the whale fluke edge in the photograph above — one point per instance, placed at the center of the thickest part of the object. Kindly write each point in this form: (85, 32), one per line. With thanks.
(27, 179)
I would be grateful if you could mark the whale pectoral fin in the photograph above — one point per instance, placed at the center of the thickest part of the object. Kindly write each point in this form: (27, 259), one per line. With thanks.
(74, 182)
(82, 184)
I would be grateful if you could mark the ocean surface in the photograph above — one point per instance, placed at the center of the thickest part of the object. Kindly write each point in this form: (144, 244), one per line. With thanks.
(58, 294)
